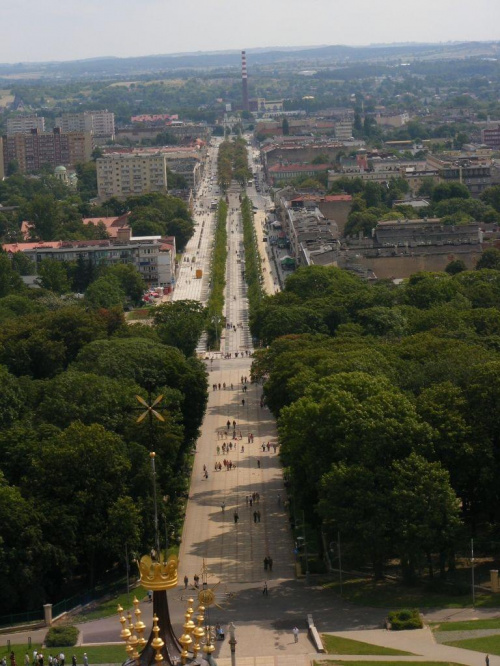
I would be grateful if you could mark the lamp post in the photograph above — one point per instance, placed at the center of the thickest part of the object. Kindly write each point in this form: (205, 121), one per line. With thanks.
(232, 643)
(305, 546)
(215, 321)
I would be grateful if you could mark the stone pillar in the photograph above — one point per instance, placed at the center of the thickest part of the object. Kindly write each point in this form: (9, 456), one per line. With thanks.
(47, 614)
(495, 586)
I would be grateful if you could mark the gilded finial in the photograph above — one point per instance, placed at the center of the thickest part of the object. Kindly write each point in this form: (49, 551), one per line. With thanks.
(157, 642)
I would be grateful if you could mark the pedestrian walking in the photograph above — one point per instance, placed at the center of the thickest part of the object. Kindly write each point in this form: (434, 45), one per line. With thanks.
(62, 658)
(270, 561)
(487, 660)
(73, 660)
(26, 659)
(265, 590)
(223, 506)
(266, 563)
(228, 424)
(255, 516)
(295, 632)
(85, 659)
(258, 464)
(186, 582)
(258, 516)
(196, 579)
(236, 517)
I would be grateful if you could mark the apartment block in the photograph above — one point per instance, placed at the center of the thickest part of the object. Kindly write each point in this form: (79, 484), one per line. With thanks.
(25, 124)
(100, 123)
(490, 136)
(124, 175)
(36, 149)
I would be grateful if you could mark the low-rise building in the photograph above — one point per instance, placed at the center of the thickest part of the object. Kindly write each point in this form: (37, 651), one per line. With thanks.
(154, 257)
(277, 173)
(392, 120)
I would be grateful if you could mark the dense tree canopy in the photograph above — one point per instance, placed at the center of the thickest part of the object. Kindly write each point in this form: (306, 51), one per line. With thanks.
(387, 407)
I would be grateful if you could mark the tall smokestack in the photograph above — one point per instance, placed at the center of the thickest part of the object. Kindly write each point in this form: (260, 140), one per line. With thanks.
(244, 80)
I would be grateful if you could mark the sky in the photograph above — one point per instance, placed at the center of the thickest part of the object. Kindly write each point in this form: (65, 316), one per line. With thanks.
(40, 30)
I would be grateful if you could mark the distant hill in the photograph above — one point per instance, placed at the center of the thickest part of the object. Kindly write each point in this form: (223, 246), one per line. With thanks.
(109, 67)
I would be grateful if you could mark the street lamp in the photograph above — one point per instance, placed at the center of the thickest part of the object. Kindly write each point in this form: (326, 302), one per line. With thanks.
(304, 540)
(232, 643)
(215, 321)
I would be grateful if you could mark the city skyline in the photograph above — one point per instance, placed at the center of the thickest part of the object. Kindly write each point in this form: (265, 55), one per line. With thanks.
(49, 31)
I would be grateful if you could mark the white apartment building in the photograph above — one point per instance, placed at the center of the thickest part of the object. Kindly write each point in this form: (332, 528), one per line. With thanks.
(124, 174)
(343, 129)
(100, 123)
(24, 124)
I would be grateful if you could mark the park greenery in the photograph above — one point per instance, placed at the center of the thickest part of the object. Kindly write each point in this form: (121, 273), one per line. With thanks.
(387, 402)
(215, 304)
(56, 212)
(253, 274)
(75, 477)
(451, 202)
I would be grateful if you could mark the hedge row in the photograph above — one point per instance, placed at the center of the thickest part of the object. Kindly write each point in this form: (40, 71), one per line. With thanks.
(405, 619)
(66, 636)
(253, 274)
(215, 302)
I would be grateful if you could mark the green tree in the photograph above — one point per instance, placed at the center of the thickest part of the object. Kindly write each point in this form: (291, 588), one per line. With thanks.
(53, 275)
(129, 279)
(44, 211)
(489, 259)
(180, 324)
(80, 473)
(453, 190)
(10, 281)
(105, 292)
(21, 550)
(285, 127)
(455, 266)
(491, 196)
(424, 513)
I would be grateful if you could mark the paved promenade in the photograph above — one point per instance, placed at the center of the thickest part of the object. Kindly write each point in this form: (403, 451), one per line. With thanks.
(235, 552)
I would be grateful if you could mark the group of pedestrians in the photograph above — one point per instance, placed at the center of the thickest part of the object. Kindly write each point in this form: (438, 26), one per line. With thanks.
(250, 499)
(53, 660)
(268, 563)
(267, 447)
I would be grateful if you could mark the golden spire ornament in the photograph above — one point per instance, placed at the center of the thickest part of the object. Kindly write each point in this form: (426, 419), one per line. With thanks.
(198, 632)
(157, 642)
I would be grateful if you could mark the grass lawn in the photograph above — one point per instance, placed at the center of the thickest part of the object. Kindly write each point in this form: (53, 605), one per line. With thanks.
(104, 654)
(108, 608)
(340, 645)
(489, 644)
(140, 314)
(466, 625)
(388, 594)
(332, 662)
